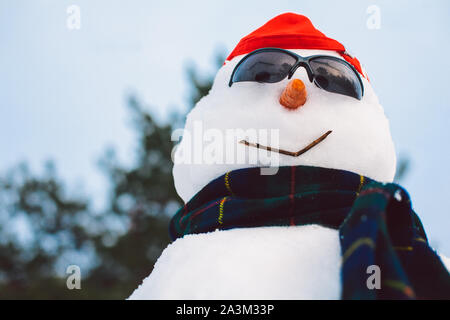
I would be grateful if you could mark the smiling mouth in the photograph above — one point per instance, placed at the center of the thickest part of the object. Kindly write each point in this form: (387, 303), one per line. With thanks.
(289, 153)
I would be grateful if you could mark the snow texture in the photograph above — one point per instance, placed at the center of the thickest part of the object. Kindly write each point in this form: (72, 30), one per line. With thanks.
(398, 195)
(446, 261)
(257, 263)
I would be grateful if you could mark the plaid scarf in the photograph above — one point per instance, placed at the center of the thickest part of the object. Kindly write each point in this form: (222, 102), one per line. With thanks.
(380, 234)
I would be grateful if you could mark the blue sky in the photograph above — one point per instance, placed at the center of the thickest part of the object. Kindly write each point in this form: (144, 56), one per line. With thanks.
(62, 91)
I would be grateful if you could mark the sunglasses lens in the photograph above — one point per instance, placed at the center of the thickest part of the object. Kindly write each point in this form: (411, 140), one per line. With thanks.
(266, 66)
(336, 76)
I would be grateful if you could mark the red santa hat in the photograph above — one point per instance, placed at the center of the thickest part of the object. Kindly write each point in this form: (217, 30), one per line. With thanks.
(291, 31)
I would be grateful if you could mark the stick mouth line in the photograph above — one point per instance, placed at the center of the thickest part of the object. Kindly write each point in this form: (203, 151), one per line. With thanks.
(289, 153)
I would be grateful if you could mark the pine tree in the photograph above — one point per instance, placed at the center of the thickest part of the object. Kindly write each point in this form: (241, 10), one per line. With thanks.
(118, 246)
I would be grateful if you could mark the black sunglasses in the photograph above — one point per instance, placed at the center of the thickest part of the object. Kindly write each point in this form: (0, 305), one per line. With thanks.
(270, 65)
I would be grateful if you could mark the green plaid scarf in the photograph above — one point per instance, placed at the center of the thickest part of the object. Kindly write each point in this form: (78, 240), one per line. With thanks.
(376, 223)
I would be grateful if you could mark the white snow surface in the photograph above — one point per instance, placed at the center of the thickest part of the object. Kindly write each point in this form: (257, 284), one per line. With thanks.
(445, 261)
(360, 142)
(300, 262)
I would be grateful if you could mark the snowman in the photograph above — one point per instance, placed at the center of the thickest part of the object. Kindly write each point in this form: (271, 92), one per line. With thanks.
(286, 171)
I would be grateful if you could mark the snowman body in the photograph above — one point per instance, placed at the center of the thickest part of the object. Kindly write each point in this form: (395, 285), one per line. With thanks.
(296, 262)
(301, 262)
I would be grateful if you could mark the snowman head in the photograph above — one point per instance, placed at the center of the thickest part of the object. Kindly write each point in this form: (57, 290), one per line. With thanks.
(283, 87)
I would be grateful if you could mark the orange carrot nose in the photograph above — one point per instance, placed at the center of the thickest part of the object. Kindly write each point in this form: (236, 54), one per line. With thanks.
(294, 95)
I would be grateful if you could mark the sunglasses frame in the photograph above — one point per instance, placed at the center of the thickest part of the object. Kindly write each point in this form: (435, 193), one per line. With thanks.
(301, 62)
